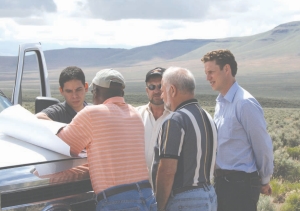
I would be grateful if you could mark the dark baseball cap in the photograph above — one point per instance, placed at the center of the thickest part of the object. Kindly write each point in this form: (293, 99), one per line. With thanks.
(155, 71)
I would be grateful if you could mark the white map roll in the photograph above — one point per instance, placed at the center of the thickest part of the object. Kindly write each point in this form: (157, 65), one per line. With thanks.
(17, 122)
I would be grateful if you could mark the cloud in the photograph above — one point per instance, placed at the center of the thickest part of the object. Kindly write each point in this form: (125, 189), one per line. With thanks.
(133, 23)
(146, 9)
(170, 25)
(37, 21)
(26, 8)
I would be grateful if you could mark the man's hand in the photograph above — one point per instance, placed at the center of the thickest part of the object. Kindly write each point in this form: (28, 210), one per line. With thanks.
(42, 115)
(266, 189)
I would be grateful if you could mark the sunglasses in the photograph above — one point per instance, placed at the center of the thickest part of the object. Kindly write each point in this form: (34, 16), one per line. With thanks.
(152, 87)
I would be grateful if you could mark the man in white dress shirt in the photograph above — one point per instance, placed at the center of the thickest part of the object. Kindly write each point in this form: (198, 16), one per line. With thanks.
(152, 113)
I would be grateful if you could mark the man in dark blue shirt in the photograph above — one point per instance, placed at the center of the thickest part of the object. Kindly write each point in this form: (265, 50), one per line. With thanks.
(186, 148)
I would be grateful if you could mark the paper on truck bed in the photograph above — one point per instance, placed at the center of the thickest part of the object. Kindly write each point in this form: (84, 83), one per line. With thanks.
(24, 140)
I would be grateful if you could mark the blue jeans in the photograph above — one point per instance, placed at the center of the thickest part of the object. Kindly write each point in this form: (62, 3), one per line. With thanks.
(139, 199)
(201, 199)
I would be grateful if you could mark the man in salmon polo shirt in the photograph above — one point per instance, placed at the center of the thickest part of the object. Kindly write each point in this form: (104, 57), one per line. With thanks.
(113, 134)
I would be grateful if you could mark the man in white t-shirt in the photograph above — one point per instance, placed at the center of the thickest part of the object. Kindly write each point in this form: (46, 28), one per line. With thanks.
(152, 113)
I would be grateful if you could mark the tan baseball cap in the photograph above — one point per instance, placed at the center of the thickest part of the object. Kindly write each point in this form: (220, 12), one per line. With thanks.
(105, 76)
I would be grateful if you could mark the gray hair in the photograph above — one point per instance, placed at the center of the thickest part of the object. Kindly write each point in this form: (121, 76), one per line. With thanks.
(181, 78)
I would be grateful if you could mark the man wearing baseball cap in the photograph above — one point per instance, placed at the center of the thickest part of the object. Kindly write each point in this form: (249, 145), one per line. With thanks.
(153, 113)
(113, 134)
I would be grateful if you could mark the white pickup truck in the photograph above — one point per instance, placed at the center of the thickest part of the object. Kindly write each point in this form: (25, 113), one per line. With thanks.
(22, 190)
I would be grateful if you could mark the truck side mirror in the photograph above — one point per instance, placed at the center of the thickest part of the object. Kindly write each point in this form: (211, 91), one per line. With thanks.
(44, 102)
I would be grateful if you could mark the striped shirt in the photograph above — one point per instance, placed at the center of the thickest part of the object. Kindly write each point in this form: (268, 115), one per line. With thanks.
(113, 135)
(189, 135)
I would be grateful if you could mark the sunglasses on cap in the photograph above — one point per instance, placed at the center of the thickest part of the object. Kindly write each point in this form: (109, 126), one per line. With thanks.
(152, 87)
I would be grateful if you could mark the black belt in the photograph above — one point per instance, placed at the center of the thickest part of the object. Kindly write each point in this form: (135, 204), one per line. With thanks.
(186, 188)
(224, 172)
(123, 188)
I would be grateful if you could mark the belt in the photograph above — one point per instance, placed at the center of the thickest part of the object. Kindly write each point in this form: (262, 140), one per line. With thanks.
(186, 188)
(121, 189)
(224, 172)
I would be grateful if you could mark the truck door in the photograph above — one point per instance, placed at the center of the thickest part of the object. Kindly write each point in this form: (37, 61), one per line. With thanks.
(31, 76)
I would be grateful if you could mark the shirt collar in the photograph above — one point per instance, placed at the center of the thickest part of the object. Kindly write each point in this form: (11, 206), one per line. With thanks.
(115, 100)
(230, 94)
(67, 105)
(149, 109)
(185, 103)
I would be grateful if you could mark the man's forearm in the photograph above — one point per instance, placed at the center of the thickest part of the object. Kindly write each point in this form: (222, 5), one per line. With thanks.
(163, 189)
(164, 181)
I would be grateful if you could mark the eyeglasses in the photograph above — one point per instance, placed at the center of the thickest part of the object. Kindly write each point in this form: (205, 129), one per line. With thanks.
(152, 87)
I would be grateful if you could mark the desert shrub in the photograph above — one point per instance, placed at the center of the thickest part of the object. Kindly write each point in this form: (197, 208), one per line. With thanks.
(290, 186)
(282, 163)
(277, 187)
(292, 202)
(276, 141)
(293, 139)
(294, 152)
(283, 127)
(285, 167)
(265, 204)
(283, 139)
(280, 188)
(297, 124)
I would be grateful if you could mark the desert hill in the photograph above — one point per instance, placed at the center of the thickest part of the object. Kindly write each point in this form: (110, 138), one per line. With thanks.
(268, 63)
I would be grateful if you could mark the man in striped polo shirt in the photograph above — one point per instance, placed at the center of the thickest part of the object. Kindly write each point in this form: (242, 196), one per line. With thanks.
(113, 134)
(186, 148)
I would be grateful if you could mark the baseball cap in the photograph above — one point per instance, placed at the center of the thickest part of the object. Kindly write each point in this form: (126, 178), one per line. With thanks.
(155, 71)
(105, 76)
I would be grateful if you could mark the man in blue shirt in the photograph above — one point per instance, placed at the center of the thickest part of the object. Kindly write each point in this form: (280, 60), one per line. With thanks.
(244, 162)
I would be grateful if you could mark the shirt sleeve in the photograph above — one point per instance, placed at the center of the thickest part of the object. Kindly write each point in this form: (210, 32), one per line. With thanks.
(78, 134)
(52, 113)
(171, 140)
(253, 121)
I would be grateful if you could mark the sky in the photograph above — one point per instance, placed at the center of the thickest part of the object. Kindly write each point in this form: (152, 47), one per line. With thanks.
(132, 23)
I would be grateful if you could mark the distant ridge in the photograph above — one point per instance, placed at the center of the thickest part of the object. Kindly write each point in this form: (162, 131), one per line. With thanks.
(282, 41)
(82, 57)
